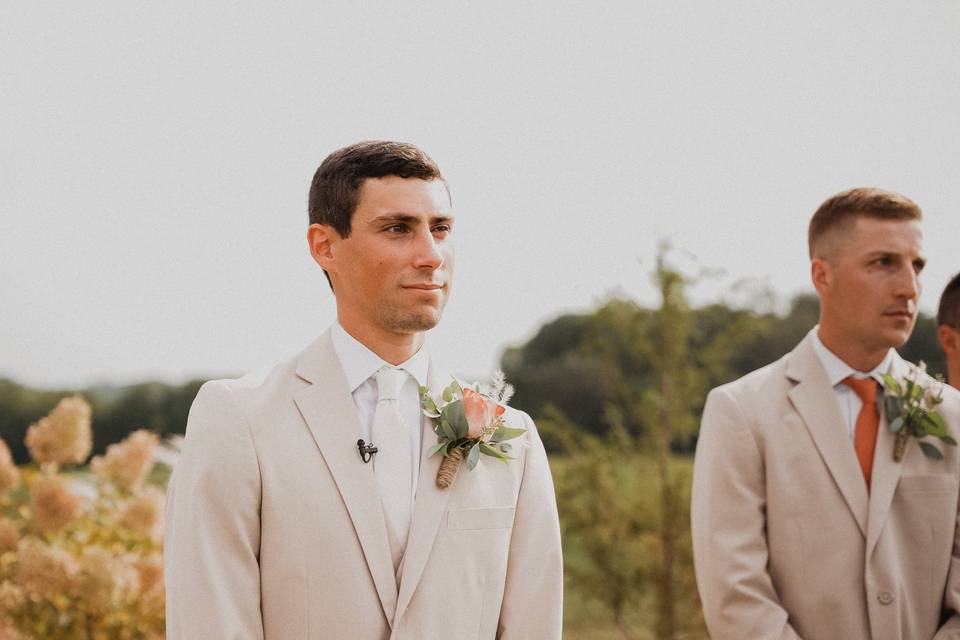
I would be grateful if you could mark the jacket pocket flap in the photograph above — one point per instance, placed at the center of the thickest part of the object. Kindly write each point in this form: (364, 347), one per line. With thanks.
(480, 518)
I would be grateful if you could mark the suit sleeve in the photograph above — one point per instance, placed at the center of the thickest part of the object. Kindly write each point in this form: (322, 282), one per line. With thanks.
(212, 525)
(951, 602)
(533, 595)
(728, 516)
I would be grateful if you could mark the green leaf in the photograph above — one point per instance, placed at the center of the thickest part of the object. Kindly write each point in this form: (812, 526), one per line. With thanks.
(448, 432)
(892, 407)
(474, 456)
(492, 452)
(915, 390)
(506, 433)
(453, 414)
(948, 439)
(934, 425)
(430, 405)
(447, 395)
(937, 419)
(435, 448)
(889, 382)
(930, 451)
(895, 425)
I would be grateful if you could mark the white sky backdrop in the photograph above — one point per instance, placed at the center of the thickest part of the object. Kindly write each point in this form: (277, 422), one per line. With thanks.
(155, 159)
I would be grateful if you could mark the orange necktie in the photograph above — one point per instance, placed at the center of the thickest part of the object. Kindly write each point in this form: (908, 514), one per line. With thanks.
(865, 437)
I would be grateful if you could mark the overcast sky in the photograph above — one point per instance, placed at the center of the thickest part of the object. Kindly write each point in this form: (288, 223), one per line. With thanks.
(156, 159)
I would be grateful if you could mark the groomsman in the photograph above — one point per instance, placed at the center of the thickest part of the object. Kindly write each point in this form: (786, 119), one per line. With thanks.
(280, 524)
(805, 522)
(948, 329)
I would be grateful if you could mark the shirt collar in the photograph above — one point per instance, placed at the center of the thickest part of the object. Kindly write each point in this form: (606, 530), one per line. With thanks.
(838, 370)
(359, 362)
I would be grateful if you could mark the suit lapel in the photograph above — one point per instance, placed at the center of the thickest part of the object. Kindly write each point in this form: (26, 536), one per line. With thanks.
(428, 510)
(816, 403)
(328, 409)
(886, 471)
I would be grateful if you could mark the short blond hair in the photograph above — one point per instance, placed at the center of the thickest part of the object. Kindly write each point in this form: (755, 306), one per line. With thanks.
(863, 202)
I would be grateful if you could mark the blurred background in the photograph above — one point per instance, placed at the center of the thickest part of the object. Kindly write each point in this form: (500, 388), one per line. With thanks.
(632, 183)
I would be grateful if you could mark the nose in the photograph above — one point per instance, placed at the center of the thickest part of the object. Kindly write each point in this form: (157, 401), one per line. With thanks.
(428, 254)
(908, 286)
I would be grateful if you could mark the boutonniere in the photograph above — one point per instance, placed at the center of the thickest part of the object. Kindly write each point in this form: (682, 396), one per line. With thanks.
(468, 421)
(909, 408)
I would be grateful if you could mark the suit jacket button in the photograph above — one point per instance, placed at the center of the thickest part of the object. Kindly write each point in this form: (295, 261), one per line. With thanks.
(885, 597)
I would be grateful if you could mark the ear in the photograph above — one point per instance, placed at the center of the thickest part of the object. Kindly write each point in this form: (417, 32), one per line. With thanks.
(949, 339)
(321, 239)
(820, 275)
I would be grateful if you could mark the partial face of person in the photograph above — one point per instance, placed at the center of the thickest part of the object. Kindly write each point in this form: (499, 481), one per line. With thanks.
(869, 283)
(950, 343)
(394, 271)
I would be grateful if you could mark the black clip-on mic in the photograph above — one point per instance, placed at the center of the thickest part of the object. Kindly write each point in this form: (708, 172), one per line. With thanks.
(366, 450)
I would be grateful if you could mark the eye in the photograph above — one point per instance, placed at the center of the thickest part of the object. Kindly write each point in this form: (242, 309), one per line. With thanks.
(884, 261)
(918, 265)
(396, 228)
(442, 229)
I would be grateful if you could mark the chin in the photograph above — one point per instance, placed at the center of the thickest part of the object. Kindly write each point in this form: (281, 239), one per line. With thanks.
(410, 320)
(897, 338)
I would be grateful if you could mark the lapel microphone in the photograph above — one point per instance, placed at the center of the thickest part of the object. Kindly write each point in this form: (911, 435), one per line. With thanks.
(366, 450)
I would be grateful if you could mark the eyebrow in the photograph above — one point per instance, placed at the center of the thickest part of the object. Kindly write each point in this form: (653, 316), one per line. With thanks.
(407, 218)
(884, 254)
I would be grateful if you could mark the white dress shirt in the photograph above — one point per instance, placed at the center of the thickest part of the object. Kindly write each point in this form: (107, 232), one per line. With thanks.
(360, 364)
(838, 371)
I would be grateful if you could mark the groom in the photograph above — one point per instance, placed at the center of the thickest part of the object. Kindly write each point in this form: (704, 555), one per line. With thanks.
(804, 523)
(278, 526)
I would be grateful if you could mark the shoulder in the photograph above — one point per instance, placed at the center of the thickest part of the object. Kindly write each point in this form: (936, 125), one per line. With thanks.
(235, 403)
(763, 383)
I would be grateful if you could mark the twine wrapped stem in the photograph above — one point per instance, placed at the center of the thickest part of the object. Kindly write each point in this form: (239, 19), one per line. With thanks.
(900, 444)
(449, 467)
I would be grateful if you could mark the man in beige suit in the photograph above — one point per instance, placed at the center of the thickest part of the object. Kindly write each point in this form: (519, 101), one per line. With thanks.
(804, 524)
(278, 526)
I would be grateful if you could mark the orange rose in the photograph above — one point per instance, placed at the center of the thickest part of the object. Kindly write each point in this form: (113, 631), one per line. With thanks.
(480, 412)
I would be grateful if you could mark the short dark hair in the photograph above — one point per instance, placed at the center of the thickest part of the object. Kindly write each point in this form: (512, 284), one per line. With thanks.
(863, 202)
(949, 311)
(335, 189)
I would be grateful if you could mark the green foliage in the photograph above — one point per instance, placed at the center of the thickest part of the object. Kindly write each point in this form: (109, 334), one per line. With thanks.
(117, 412)
(611, 516)
(581, 363)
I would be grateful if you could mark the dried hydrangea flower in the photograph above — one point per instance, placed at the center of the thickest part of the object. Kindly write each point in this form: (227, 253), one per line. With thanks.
(9, 474)
(143, 513)
(9, 536)
(53, 505)
(64, 435)
(43, 571)
(127, 463)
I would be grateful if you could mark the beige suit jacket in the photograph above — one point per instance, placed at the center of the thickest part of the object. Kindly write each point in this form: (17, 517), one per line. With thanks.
(274, 528)
(788, 543)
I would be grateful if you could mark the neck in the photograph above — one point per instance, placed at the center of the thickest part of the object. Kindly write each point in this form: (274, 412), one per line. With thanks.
(854, 353)
(953, 372)
(391, 346)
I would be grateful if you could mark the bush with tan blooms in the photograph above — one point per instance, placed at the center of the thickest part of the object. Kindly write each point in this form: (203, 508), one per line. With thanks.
(80, 552)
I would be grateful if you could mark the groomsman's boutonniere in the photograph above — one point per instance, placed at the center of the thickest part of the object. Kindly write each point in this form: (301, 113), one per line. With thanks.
(468, 421)
(909, 407)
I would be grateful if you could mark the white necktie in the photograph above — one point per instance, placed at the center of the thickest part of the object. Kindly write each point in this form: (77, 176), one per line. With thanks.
(392, 465)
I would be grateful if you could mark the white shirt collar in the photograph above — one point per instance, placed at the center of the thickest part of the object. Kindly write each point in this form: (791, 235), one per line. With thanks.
(359, 362)
(838, 370)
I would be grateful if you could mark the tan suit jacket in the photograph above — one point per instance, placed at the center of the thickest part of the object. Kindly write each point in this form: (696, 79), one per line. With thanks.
(788, 543)
(274, 528)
